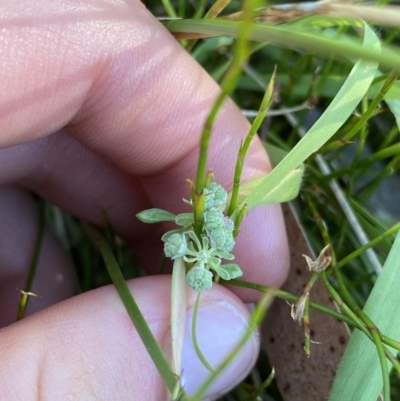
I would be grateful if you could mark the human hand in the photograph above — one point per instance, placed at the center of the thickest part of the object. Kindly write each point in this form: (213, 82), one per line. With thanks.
(101, 108)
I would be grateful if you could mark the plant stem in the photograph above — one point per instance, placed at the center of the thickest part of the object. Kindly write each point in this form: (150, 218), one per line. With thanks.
(358, 322)
(34, 260)
(227, 86)
(264, 107)
(255, 319)
(135, 314)
(169, 8)
(392, 230)
(281, 294)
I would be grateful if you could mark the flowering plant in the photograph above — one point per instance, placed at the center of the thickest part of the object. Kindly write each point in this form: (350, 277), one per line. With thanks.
(202, 252)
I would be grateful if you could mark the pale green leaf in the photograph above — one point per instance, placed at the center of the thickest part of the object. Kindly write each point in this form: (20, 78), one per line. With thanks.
(221, 272)
(233, 270)
(359, 376)
(184, 219)
(228, 271)
(285, 191)
(340, 109)
(169, 233)
(155, 216)
(289, 35)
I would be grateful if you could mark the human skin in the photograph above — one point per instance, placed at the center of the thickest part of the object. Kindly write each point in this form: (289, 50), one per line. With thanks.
(100, 108)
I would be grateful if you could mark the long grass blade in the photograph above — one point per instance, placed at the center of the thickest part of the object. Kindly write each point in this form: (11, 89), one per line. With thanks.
(290, 36)
(359, 376)
(135, 314)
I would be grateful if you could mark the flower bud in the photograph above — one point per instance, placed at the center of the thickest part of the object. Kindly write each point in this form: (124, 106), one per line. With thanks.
(213, 219)
(222, 239)
(199, 278)
(175, 246)
(220, 196)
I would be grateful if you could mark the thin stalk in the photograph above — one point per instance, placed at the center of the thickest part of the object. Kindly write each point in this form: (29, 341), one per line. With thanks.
(136, 316)
(238, 220)
(181, 8)
(369, 189)
(34, 260)
(359, 312)
(352, 321)
(384, 366)
(22, 303)
(200, 9)
(286, 36)
(264, 107)
(360, 324)
(291, 299)
(255, 319)
(169, 8)
(264, 385)
(227, 86)
(360, 146)
(369, 112)
(197, 348)
(350, 303)
(36, 248)
(390, 151)
(306, 325)
(217, 7)
(392, 230)
(389, 138)
(301, 311)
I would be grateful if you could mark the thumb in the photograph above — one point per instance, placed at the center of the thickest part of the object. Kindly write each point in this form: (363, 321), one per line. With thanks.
(87, 345)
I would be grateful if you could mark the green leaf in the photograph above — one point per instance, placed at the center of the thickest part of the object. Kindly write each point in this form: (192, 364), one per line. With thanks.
(359, 376)
(289, 35)
(184, 219)
(169, 233)
(287, 189)
(155, 216)
(340, 109)
(276, 154)
(138, 320)
(221, 272)
(229, 271)
(233, 270)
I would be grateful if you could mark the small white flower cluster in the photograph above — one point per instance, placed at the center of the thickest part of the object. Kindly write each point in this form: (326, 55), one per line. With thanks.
(215, 242)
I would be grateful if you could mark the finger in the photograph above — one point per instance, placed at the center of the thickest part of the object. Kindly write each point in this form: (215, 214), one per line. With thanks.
(88, 346)
(54, 280)
(136, 97)
(85, 184)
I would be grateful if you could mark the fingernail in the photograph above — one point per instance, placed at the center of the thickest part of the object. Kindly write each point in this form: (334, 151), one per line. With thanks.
(220, 326)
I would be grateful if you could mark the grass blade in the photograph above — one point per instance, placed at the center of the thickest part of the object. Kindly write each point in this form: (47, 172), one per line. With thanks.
(136, 316)
(289, 36)
(359, 376)
(350, 94)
